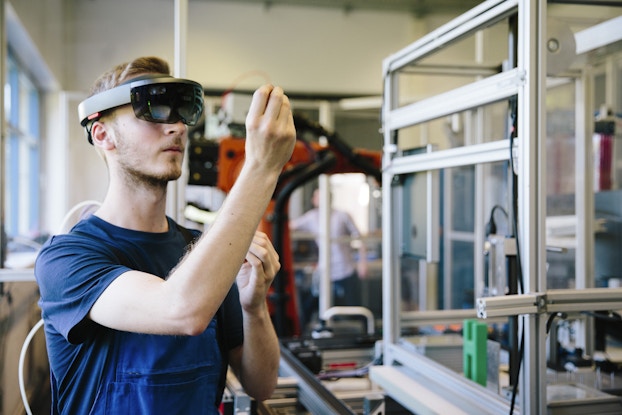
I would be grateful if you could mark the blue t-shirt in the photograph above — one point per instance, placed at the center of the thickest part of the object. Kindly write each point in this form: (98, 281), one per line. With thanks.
(97, 370)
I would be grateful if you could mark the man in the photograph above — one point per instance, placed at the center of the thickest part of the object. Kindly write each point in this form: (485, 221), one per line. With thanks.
(133, 323)
(345, 271)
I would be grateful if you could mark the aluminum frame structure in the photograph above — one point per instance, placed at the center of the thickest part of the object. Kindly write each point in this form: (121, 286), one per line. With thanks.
(524, 81)
(416, 382)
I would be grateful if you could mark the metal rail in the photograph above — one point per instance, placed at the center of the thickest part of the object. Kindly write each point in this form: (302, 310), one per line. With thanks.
(311, 394)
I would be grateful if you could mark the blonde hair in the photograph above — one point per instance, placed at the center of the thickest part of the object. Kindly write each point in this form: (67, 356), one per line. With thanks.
(124, 71)
(129, 70)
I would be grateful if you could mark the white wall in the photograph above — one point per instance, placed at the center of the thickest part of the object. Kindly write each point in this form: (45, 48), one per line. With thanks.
(303, 49)
(306, 49)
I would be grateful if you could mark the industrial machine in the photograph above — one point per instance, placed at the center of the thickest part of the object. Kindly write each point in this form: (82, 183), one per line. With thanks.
(305, 362)
(218, 163)
(494, 297)
(491, 113)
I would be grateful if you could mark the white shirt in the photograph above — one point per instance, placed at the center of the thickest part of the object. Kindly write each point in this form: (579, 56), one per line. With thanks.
(342, 230)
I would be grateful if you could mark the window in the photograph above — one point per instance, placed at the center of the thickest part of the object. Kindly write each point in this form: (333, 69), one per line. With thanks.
(21, 165)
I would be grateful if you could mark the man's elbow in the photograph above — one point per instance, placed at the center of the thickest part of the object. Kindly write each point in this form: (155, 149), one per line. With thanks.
(264, 390)
(191, 323)
(260, 385)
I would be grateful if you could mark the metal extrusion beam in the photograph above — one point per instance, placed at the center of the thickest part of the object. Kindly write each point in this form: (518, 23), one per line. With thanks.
(425, 386)
(489, 152)
(453, 70)
(509, 305)
(311, 393)
(431, 317)
(484, 14)
(414, 393)
(589, 299)
(603, 34)
(554, 301)
(488, 90)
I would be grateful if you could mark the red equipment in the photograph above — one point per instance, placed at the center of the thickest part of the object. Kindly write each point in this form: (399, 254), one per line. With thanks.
(308, 161)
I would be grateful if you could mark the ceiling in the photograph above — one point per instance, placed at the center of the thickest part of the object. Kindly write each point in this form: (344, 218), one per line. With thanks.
(416, 7)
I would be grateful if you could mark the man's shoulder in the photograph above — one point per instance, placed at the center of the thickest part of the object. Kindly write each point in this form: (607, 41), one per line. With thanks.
(91, 236)
(188, 233)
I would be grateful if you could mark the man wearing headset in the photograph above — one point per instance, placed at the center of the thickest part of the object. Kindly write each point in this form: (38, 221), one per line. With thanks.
(136, 321)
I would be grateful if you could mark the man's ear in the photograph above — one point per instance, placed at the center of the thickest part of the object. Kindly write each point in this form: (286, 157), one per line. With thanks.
(101, 136)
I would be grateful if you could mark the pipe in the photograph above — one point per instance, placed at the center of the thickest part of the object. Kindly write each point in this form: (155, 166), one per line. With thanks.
(352, 311)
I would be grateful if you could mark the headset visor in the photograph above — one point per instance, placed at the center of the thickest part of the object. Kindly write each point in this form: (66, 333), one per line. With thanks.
(167, 100)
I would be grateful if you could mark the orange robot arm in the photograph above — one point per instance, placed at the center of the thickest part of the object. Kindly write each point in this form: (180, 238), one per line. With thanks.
(309, 160)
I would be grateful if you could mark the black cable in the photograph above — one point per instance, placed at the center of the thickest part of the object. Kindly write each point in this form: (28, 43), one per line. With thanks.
(520, 362)
(512, 133)
(549, 321)
(611, 316)
(519, 266)
(491, 226)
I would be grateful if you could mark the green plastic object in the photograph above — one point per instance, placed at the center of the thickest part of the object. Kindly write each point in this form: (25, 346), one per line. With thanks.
(475, 338)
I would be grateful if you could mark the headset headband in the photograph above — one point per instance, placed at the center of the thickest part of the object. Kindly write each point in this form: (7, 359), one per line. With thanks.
(92, 107)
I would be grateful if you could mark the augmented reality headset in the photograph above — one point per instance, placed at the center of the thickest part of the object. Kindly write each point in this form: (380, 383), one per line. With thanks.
(155, 98)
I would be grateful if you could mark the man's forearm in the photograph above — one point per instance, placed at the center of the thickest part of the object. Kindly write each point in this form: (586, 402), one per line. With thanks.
(260, 357)
(204, 277)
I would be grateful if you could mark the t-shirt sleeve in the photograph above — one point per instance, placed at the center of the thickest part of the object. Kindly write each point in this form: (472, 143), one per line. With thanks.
(72, 272)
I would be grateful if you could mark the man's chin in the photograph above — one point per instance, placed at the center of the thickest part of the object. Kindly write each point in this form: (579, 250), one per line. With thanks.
(171, 177)
(172, 174)
(164, 179)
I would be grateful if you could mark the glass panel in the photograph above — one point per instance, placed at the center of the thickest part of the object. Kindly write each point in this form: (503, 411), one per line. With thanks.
(600, 95)
(561, 167)
(439, 257)
(463, 193)
(483, 125)
(462, 281)
(458, 64)
(451, 225)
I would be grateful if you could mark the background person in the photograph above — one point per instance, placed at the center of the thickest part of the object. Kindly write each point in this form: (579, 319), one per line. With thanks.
(346, 271)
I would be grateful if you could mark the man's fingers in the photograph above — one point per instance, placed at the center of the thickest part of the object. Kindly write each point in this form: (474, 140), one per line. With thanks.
(252, 259)
(262, 253)
(262, 246)
(269, 101)
(286, 109)
(259, 101)
(275, 103)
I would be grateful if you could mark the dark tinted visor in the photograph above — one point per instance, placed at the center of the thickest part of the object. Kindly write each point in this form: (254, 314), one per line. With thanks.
(168, 101)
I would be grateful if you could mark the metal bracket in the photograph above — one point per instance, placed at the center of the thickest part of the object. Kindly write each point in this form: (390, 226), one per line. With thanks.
(374, 405)
(242, 402)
